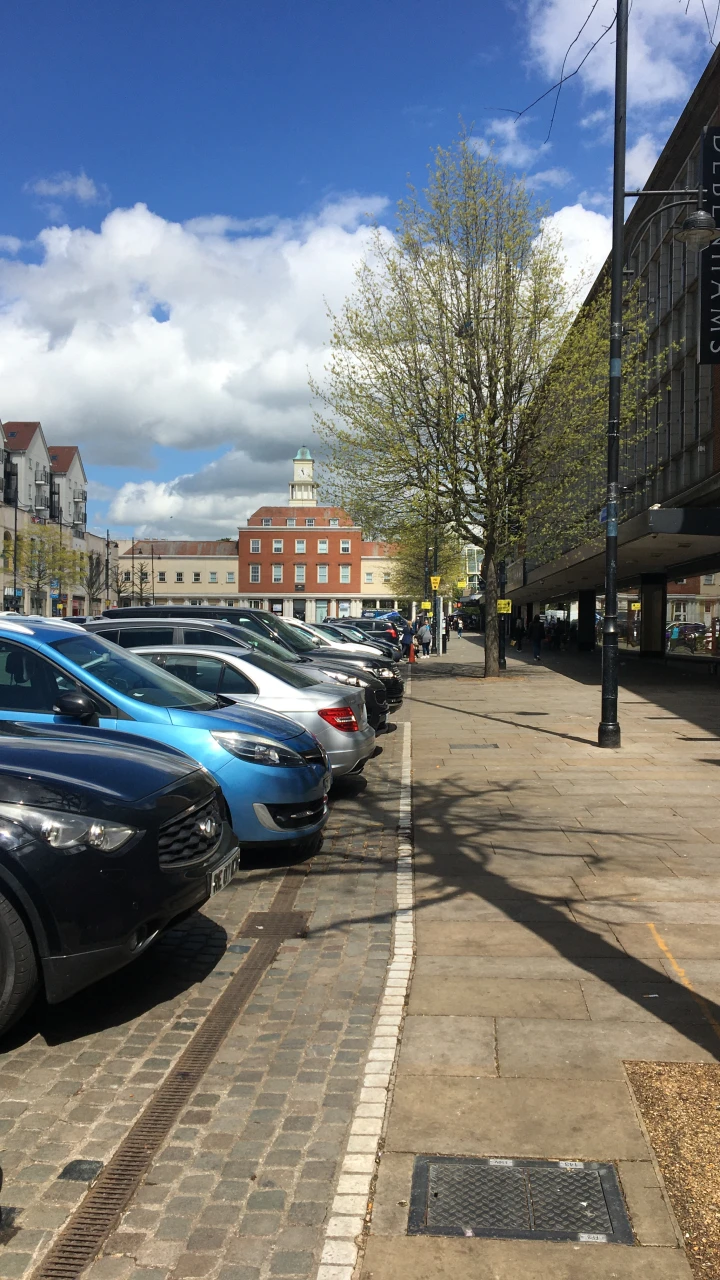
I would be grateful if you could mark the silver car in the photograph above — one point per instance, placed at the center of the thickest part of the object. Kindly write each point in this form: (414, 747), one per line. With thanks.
(336, 715)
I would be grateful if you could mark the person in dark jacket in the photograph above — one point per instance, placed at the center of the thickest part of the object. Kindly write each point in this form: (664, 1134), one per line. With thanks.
(406, 640)
(519, 632)
(537, 635)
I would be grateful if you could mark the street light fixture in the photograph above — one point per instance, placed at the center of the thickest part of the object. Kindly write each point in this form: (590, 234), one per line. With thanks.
(698, 231)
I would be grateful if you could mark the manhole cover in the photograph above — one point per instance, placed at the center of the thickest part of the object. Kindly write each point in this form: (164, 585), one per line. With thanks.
(518, 1199)
(275, 924)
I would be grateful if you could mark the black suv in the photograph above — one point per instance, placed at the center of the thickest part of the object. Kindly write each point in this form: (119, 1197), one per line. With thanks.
(264, 624)
(104, 842)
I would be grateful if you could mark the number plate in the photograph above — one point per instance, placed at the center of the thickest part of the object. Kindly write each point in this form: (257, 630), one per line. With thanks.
(222, 875)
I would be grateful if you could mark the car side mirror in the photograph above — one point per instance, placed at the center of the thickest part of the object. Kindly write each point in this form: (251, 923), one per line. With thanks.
(77, 706)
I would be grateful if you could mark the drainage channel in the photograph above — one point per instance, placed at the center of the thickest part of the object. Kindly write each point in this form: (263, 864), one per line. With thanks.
(96, 1217)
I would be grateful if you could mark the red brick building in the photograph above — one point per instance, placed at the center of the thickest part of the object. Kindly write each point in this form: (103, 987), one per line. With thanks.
(304, 560)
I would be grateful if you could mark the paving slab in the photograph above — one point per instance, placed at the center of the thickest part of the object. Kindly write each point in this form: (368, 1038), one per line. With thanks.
(542, 1048)
(430, 1258)
(511, 939)
(497, 997)
(447, 1045)
(558, 1120)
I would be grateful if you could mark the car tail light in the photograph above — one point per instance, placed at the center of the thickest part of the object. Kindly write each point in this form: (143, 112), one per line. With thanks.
(393, 633)
(340, 718)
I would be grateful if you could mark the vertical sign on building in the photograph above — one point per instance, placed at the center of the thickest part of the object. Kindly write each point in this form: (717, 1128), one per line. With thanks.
(709, 321)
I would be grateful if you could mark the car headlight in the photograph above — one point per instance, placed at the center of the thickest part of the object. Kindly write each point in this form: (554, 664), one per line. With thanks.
(259, 750)
(341, 678)
(386, 673)
(69, 831)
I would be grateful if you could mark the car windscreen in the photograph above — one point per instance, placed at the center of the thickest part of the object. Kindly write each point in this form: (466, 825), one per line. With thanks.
(297, 639)
(272, 650)
(130, 675)
(291, 675)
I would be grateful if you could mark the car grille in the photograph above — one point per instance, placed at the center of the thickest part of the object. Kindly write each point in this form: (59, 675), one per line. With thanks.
(291, 816)
(192, 836)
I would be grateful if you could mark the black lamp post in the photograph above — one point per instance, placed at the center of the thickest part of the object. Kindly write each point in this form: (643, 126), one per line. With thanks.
(698, 230)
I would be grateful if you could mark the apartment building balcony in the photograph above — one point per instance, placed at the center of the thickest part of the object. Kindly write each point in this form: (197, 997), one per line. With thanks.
(42, 502)
(42, 478)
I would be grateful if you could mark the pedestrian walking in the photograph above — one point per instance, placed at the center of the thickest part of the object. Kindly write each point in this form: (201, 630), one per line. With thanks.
(406, 640)
(537, 635)
(519, 632)
(424, 635)
(460, 628)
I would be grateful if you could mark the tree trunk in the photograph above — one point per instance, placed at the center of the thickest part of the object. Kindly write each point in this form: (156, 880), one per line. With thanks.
(492, 645)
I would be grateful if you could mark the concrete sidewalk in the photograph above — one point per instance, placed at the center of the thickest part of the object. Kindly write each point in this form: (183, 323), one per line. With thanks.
(558, 891)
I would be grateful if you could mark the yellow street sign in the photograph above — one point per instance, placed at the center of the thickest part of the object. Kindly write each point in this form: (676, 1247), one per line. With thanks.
(462, 583)
(635, 606)
(425, 604)
(504, 606)
(435, 581)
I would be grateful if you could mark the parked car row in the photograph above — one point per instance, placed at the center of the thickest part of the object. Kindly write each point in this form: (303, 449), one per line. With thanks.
(133, 748)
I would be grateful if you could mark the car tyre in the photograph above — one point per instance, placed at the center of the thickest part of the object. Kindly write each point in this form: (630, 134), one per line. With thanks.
(18, 967)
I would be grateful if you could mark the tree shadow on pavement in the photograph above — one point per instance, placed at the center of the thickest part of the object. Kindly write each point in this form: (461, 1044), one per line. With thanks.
(439, 820)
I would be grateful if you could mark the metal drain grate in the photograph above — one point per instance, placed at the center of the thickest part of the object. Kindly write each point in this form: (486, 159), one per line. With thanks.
(518, 1199)
(473, 746)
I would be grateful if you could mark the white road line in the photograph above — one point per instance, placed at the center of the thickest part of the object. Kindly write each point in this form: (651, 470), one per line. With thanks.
(350, 1206)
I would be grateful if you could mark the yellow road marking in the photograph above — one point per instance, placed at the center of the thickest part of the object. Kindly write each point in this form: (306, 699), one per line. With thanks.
(700, 1001)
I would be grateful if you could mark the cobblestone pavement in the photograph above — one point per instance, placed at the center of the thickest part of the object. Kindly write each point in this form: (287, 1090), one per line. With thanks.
(242, 1186)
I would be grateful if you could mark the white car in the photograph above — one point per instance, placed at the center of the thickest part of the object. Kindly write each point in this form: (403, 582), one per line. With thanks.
(330, 642)
(335, 714)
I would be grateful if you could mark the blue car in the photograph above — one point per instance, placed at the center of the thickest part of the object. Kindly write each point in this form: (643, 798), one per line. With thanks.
(273, 773)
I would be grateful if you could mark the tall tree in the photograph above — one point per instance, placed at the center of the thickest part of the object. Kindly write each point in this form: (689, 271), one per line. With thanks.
(414, 561)
(93, 578)
(435, 358)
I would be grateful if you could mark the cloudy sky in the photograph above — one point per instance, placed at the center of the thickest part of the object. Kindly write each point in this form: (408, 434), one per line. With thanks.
(186, 187)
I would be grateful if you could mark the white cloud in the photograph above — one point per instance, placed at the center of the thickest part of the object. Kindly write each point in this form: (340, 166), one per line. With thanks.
(586, 239)
(640, 161)
(551, 178)
(508, 141)
(148, 332)
(69, 186)
(10, 244)
(666, 47)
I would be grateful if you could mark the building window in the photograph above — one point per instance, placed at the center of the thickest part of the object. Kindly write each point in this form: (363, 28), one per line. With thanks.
(290, 523)
(322, 546)
(299, 572)
(266, 522)
(179, 576)
(343, 608)
(162, 576)
(709, 580)
(369, 576)
(277, 545)
(344, 572)
(254, 572)
(310, 522)
(334, 523)
(679, 611)
(300, 546)
(322, 573)
(126, 576)
(386, 577)
(344, 546)
(143, 575)
(254, 546)
(196, 577)
(230, 575)
(254, 604)
(213, 575)
(277, 573)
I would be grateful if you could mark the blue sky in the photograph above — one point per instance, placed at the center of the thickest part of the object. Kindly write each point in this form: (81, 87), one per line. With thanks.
(184, 184)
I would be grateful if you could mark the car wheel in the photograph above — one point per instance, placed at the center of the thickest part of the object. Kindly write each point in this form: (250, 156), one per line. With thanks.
(18, 967)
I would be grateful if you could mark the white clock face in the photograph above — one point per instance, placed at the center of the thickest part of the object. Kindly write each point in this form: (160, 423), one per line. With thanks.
(303, 472)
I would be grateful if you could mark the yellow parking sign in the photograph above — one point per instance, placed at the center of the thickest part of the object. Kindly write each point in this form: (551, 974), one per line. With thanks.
(435, 581)
(425, 604)
(504, 606)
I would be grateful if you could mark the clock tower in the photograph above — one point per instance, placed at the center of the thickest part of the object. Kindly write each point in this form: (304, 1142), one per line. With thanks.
(303, 486)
